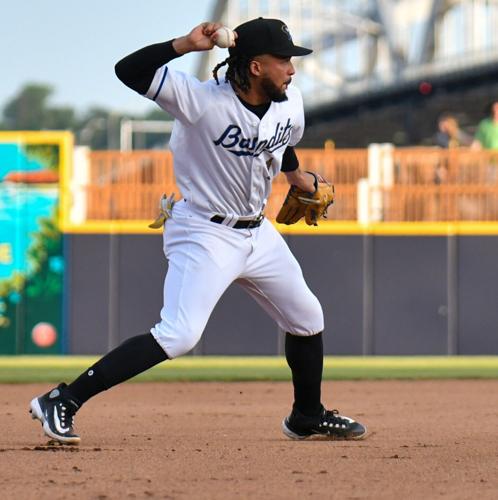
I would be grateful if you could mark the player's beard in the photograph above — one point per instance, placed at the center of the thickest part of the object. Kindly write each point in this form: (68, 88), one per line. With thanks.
(273, 92)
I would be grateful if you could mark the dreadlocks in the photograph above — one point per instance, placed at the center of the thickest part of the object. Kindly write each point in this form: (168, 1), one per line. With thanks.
(237, 72)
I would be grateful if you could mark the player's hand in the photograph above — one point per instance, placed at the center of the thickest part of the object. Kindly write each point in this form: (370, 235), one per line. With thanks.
(200, 38)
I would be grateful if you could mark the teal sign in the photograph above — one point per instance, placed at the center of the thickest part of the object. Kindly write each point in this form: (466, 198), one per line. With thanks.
(31, 260)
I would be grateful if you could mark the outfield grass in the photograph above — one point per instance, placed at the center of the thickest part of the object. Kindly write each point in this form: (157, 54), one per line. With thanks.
(23, 369)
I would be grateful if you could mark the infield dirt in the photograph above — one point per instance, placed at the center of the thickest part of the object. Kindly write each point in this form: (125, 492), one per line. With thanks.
(428, 439)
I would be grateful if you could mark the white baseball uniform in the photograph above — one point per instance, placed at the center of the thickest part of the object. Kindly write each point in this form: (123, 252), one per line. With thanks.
(225, 158)
(226, 153)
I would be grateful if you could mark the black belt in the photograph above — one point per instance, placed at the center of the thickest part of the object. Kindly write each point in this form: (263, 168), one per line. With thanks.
(240, 224)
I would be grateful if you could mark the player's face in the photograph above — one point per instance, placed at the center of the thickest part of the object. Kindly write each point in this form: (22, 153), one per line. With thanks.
(275, 74)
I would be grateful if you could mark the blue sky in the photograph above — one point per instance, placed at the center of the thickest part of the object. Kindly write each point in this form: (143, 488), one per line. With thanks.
(73, 46)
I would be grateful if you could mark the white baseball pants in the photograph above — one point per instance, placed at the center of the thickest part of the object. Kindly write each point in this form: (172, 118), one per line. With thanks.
(205, 258)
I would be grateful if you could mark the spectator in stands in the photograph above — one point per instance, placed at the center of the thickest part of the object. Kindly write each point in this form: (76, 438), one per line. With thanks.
(487, 131)
(449, 134)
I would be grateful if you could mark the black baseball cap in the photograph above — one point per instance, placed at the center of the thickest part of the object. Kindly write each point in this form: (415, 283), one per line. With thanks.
(265, 36)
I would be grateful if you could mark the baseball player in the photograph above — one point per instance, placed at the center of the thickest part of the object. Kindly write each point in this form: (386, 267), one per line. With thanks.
(231, 137)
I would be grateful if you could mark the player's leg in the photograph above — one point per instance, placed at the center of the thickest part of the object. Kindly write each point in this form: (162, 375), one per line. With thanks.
(56, 409)
(204, 259)
(201, 267)
(274, 278)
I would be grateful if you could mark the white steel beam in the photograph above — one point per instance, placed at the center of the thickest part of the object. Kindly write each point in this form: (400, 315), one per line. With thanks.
(361, 44)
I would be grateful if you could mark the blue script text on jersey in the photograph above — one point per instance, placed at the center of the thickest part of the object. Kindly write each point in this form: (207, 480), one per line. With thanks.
(231, 138)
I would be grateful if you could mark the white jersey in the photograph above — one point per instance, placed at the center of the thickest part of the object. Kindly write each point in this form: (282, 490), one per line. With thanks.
(225, 157)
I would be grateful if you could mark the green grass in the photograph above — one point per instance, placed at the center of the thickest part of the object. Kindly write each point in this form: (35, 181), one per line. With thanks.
(23, 369)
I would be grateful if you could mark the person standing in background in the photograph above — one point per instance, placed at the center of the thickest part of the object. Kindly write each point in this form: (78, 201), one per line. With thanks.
(486, 136)
(449, 134)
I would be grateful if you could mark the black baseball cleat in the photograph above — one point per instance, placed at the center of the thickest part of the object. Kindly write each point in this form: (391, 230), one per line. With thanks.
(55, 410)
(327, 423)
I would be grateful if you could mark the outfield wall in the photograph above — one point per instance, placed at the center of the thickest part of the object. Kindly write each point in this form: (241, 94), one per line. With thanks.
(382, 294)
(31, 259)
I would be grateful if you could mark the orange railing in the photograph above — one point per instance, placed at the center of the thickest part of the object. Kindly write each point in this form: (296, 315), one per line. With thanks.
(434, 166)
(128, 185)
(442, 185)
(427, 184)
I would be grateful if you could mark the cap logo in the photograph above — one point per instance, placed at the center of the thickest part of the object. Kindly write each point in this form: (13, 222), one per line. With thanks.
(285, 29)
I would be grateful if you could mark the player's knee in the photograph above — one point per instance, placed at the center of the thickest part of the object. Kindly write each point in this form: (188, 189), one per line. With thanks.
(315, 308)
(312, 309)
(176, 340)
(189, 338)
(309, 318)
(316, 319)
(184, 344)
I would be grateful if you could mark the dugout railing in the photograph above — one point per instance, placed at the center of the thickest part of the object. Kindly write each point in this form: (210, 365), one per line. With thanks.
(378, 184)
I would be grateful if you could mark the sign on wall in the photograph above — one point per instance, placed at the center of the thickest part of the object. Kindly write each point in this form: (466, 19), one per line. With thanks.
(31, 256)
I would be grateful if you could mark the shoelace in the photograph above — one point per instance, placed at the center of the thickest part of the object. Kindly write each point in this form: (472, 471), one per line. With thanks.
(70, 414)
(331, 418)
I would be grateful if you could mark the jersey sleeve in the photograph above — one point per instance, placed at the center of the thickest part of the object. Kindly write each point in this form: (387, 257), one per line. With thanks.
(137, 70)
(298, 128)
(289, 160)
(181, 95)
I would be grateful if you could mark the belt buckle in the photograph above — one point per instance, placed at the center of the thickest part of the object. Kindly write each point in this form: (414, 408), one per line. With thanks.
(257, 221)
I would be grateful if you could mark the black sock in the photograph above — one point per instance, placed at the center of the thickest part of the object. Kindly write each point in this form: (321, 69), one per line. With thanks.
(305, 358)
(132, 357)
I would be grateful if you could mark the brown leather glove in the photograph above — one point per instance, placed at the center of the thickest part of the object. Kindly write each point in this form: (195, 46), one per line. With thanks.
(311, 206)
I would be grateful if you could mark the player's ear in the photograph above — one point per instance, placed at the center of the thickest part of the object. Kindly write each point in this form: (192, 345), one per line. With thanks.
(255, 67)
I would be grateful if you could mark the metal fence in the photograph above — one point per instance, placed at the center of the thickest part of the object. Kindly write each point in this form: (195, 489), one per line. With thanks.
(418, 184)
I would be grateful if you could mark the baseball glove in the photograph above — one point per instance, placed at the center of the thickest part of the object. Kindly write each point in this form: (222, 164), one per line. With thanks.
(311, 206)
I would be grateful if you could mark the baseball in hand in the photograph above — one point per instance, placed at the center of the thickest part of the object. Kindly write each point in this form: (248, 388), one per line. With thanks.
(224, 37)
